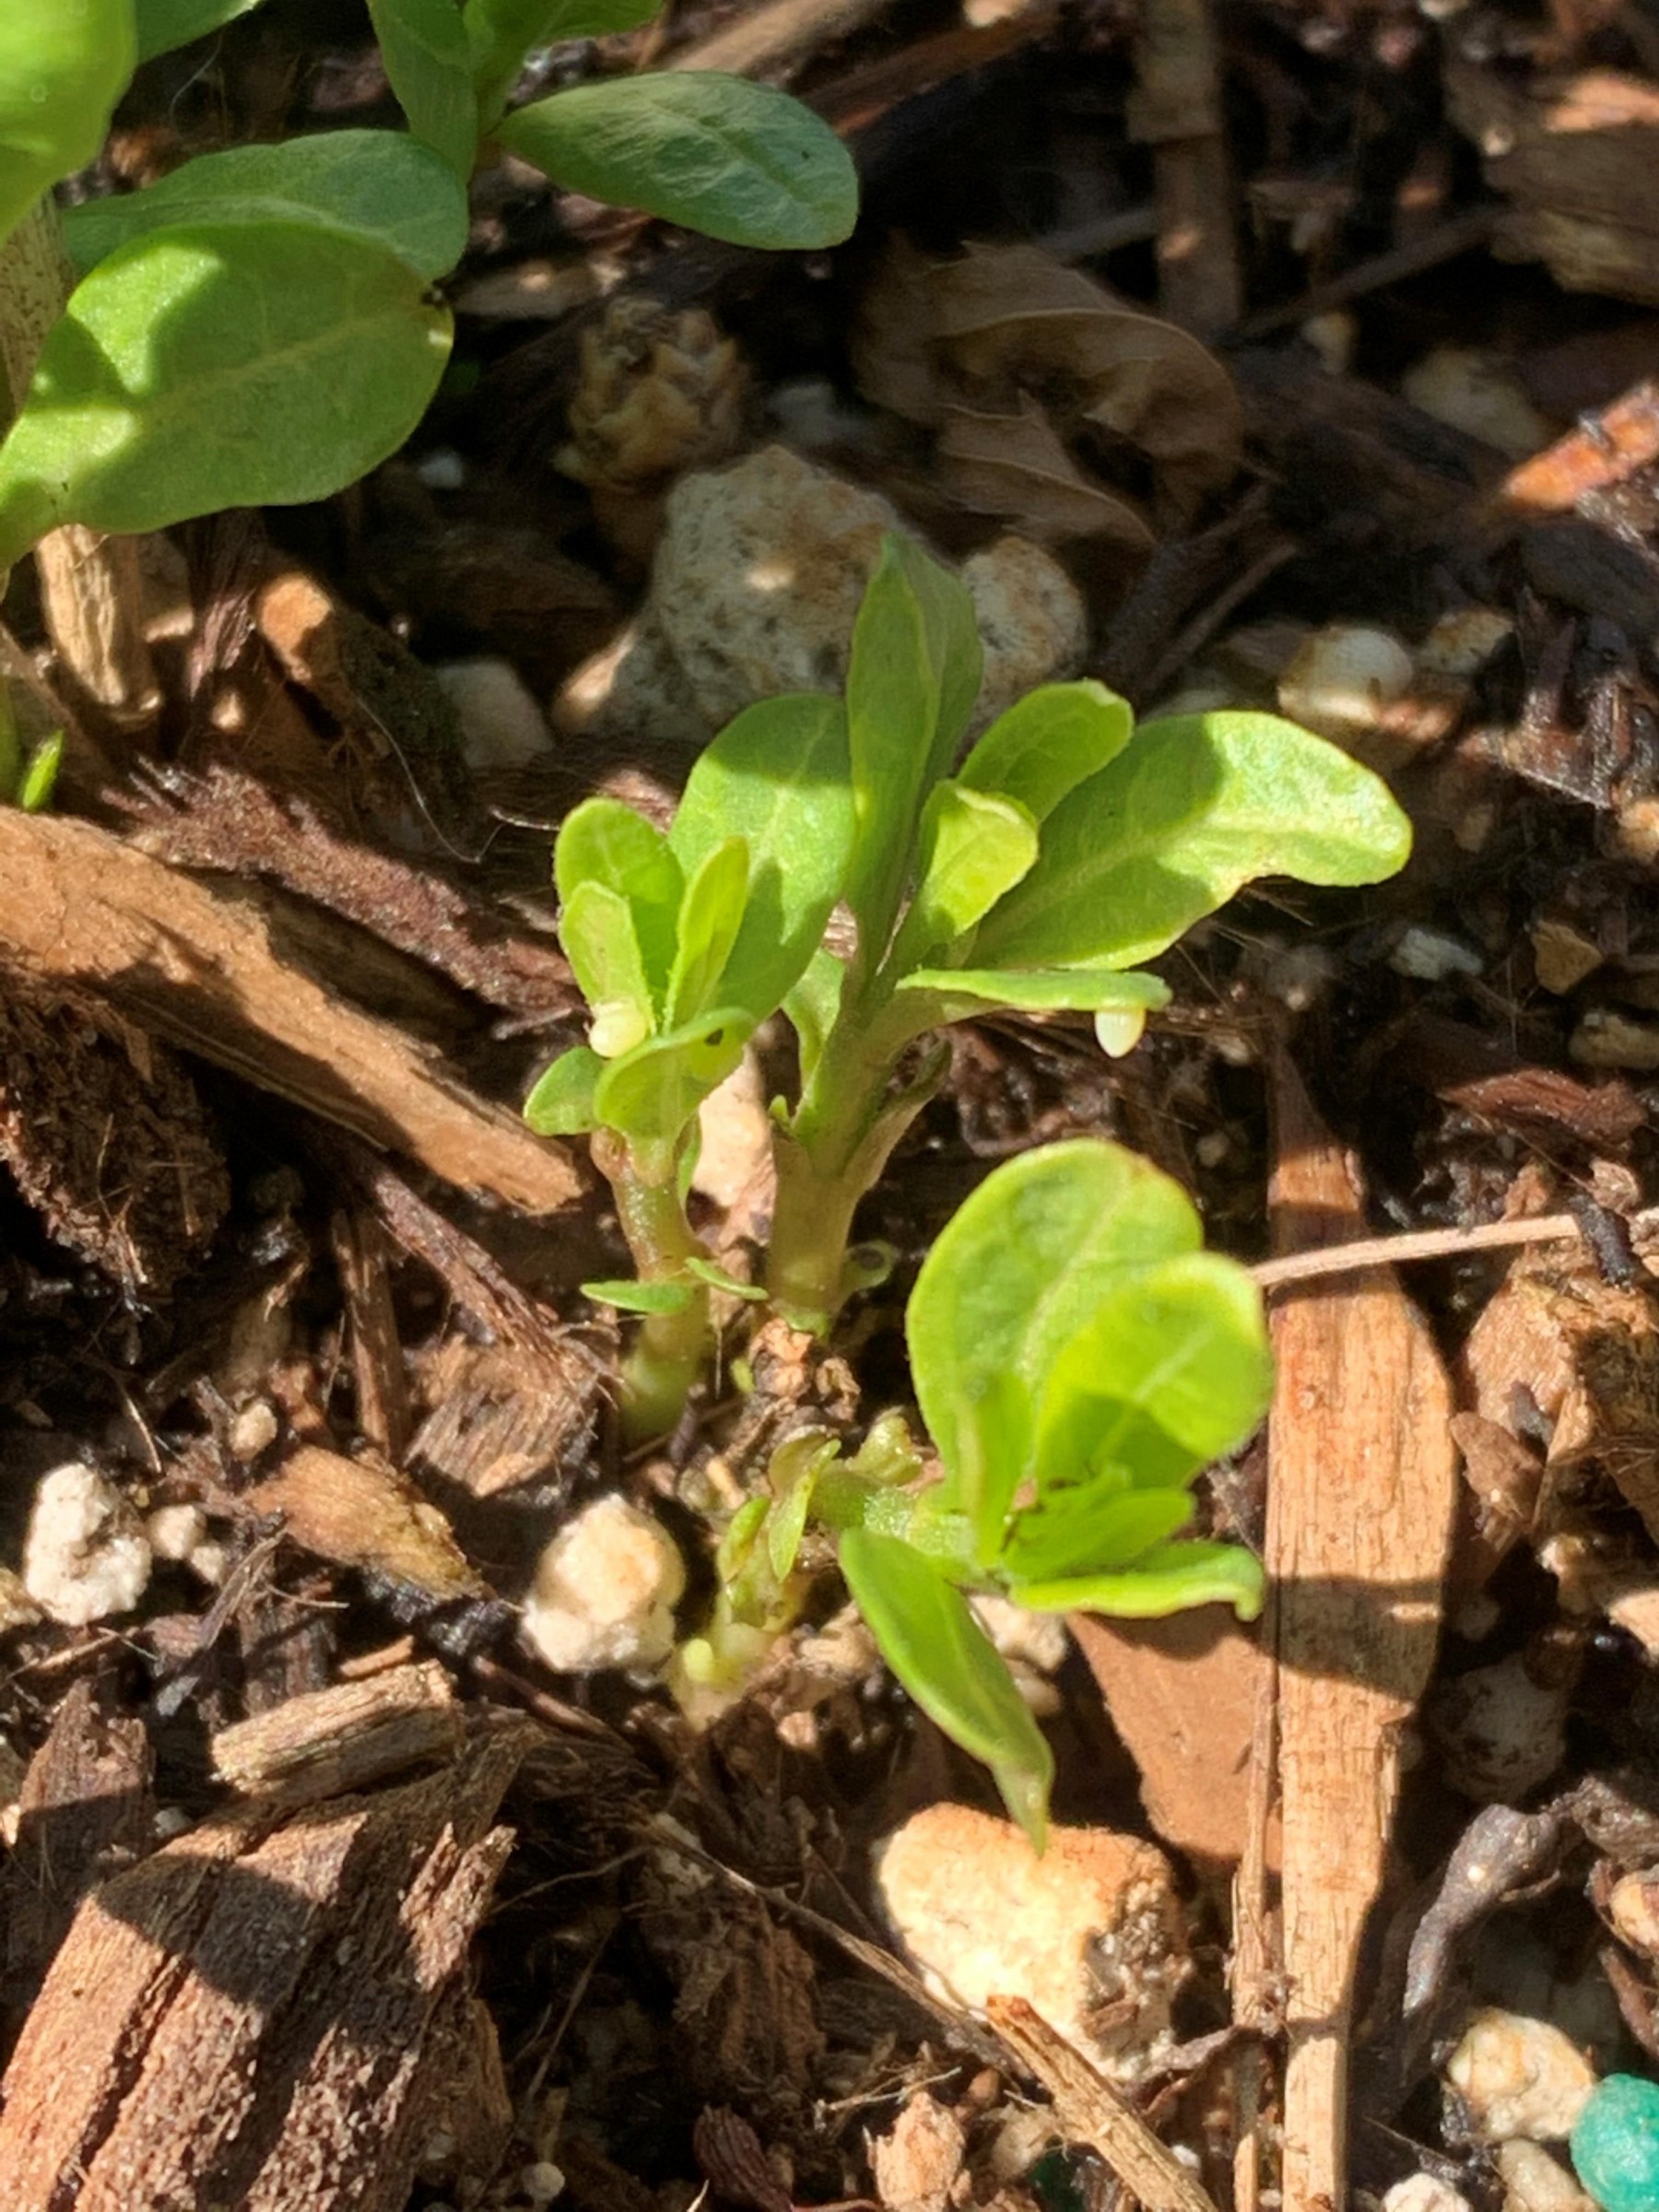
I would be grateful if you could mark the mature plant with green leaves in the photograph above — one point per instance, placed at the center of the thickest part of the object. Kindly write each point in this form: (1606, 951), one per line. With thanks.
(1065, 849)
(1078, 1357)
(259, 326)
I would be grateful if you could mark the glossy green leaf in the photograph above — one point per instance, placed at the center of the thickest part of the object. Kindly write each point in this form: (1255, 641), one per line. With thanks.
(596, 929)
(1079, 1532)
(629, 1297)
(561, 1102)
(706, 929)
(204, 368)
(652, 1092)
(604, 841)
(912, 679)
(503, 34)
(164, 25)
(1171, 1369)
(428, 65)
(1023, 1266)
(940, 995)
(1195, 807)
(777, 777)
(995, 1436)
(930, 1639)
(974, 845)
(372, 184)
(64, 63)
(736, 160)
(1167, 1580)
(1047, 743)
(718, 1278)
(812, 1006)
(40, 777)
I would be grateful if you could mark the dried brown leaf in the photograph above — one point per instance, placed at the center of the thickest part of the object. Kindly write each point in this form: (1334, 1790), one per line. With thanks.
(893, 334)
(1014, 466)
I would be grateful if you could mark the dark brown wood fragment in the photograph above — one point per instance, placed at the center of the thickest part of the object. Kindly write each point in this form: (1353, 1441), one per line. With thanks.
(266, 2014)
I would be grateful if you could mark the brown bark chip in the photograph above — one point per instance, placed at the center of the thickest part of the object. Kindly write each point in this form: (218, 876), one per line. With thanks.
(261, 2015)
(1362, 1488)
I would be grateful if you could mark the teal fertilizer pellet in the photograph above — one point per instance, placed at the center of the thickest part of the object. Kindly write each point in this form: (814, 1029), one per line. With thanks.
(1615, 2144)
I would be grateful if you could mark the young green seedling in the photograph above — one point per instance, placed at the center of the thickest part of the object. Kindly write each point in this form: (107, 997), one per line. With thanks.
(1065, 849)
(1078, 1357)
(260, 327)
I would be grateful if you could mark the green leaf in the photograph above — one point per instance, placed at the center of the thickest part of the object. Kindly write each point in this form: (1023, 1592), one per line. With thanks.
(1095, 1528)
(561, 1102)
(709, 916)
(792, 1475)
(777, 777)
(1171, 1369)
(736, 160)
(1022, 1267)
(941, 996)
(1197, 806)
(629, 1297)
(813, 1004)
(718, 1279)
(40, 778)
(503, 34)
(64, 63)
(372, 184)
(204, 368)
(912, 682)
(652, 1092)
(995, 1433)
(930, 1639)
(604, 841)
(1045, 744)
(596, 929)
(974, 846)
(1166, 1581)
(429, 64)
(166, 24)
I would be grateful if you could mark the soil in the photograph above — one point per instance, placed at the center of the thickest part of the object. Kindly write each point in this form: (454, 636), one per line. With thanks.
(318, 1888)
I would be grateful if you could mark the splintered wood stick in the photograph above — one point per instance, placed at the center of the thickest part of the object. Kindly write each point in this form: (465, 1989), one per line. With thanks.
(1093, 2113)
(1362, 1484)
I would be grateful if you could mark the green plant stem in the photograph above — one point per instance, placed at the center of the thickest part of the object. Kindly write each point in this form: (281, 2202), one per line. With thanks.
(671, 1351)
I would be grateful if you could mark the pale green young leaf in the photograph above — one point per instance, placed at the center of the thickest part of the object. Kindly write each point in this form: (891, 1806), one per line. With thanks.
(64, 63)
(995, 1434)
(630, 1297)
(1166, 1580)
(1082, 1531)
(40, 776)
(812, 1004)
(1197, 806)
(706, 929)
(428, 59)
(973, 846)
(652, 1092)
(604, 841)
(1171, 1369)
(166, 24)
(372, 184)
(735, 160)
(1047, 743)
(503, 34)
(937, 997)
(718, 1278)
(596, 929)
(561, 1101)
(1022, 1267)
(912, 682)
(930, 1639)
(792, 1475)
(204, 368)
(777, 777)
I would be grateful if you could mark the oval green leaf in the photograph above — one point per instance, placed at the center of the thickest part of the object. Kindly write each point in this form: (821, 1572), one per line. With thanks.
(652, 1093)
(165, 24)
(604, 841)
(1047, 743)
(428, 65)
(1167, 1580)
(206, 367)
(706, 929)
(930, 1639)
(974, 846)
(597, 930)
(735, 160)
(372, 184)
(64, 63)
(629, 1297)
(561, 1102)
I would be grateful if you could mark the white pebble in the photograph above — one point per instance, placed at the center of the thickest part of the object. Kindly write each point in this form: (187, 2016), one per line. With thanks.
(501, 726)
(1431, 956)
(1519, 2077)
(1424, 2193)
(542, 2182)
(86, 1555)
(1534, 2182)
(442, 469)
(174, 1531)
(604, 1593)
(1343, 678)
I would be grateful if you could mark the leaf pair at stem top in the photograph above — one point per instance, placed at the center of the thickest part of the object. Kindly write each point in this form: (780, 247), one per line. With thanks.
(1064, 848)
